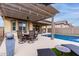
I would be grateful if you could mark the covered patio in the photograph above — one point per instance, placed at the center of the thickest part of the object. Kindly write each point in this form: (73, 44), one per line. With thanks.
(26, 17)
(30, 16)
(27, 14)
(21, 18)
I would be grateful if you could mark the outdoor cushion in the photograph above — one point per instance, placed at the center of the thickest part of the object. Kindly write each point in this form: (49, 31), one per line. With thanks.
(45, 52)
(74, 48)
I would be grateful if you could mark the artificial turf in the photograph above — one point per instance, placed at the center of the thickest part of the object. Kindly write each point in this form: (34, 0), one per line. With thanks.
(58, 53)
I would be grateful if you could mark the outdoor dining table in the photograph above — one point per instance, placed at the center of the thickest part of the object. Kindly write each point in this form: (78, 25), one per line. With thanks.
(26, 35)
(63, 49)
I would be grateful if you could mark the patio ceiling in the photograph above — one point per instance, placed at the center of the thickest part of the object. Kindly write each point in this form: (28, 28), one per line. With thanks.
(47, 21)
(33, 12)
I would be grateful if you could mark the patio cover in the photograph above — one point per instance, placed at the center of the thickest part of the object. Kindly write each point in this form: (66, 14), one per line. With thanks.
(27, 11)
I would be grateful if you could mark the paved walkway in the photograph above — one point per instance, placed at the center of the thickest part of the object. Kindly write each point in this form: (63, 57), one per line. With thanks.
(27, 49)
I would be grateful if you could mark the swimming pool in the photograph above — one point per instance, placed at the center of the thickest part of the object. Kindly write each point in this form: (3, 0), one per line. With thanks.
(65, 37)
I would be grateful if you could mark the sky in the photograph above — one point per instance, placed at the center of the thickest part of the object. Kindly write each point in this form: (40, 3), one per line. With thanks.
(67, 11)
(1, 22)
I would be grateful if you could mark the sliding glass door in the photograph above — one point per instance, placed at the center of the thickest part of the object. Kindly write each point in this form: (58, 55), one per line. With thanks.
(22, 26)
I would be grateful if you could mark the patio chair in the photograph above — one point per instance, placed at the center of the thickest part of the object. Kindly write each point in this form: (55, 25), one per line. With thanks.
(45, 52)
(74, 48)
(35, 35)
(20, 36)
(31, 36)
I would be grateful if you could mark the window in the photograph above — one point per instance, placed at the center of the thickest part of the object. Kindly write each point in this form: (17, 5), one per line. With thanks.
(13, 25)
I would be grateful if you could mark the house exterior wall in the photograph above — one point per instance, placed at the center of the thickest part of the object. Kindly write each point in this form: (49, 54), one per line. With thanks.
(29, 26)
(8, 25)
(57, 26)
(61, 26)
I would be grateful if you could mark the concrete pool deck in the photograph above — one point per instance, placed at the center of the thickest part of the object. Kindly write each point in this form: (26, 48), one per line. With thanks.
(30, 49)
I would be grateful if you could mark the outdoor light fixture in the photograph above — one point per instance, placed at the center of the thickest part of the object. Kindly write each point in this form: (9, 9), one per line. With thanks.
(27, 17)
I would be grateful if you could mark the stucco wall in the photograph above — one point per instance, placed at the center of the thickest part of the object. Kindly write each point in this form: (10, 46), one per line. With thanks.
(7, 24)
(30, 25)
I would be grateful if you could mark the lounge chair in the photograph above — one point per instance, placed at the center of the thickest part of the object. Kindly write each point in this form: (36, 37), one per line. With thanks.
(74, 48)
(45, 52)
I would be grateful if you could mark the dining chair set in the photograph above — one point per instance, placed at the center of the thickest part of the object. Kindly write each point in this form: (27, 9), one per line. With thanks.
(24, 37)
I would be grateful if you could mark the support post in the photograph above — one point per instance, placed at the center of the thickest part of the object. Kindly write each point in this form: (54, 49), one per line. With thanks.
(46, 29)
(52, 29)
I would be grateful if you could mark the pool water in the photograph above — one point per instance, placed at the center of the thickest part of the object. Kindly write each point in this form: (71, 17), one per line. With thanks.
(65, 37)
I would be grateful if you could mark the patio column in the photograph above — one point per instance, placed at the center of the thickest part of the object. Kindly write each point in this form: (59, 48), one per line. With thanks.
(30, 25)
(46, 29)
(7, 24)
(52, 28)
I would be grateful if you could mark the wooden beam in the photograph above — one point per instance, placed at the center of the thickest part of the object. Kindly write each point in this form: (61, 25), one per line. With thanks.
(43, 18)
(33, 17)
(10, 8)
(35, 5)
(47, 21)
(32, 9)
(48, 8)
(35, 12)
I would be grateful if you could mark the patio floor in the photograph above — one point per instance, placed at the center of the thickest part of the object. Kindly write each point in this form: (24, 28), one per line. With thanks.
(30, 49)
